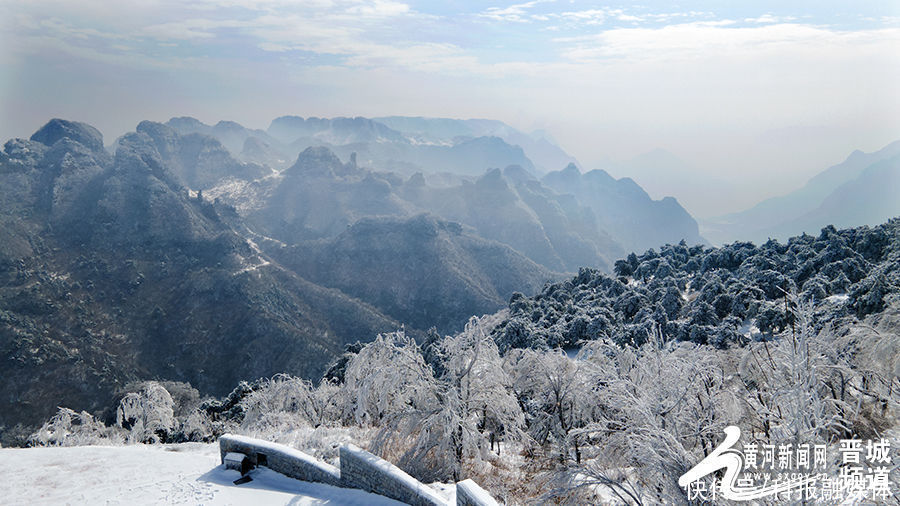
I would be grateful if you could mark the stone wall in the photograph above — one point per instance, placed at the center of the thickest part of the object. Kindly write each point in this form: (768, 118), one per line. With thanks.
(363, 470)
(468, 493)
(359, 469)
(282, 459)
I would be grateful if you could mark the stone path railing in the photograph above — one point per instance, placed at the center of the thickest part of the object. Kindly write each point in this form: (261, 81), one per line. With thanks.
(358, 469)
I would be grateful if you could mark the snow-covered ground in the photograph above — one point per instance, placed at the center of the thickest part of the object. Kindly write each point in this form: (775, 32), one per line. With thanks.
(142, 474)
(837, 299)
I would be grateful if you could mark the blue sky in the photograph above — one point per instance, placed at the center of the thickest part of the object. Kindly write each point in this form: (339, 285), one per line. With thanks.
(744, 90)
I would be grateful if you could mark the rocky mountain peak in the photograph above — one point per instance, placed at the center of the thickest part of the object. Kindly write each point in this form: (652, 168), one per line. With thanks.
(187, 124)
(57, 129)
(517, 174)
(571, 169)
(417, 179)
(23, 152)
(317, 160)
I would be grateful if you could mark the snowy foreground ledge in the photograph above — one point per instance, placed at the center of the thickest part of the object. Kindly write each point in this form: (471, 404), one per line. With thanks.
(188, 473)
(359, 469)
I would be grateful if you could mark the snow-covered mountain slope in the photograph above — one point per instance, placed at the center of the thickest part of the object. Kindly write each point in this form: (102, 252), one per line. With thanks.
(187, 473)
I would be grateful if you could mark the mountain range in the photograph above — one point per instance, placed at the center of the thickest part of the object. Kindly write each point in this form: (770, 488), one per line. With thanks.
(625, 210)
(538, 146)
(861, 190)
(197, 253)
(461, 170)
(449, 154)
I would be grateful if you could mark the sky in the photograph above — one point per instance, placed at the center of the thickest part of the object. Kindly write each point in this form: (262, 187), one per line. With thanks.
(759, 94)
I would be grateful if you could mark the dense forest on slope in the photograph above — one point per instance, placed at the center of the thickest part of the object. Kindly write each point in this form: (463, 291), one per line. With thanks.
(721, 296)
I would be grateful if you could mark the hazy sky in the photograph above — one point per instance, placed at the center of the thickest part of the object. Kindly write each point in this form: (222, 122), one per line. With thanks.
(760, 94)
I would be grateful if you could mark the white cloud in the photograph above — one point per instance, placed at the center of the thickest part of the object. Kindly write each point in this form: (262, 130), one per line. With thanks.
(715, 38)
(669, 16)
(628, 17)
(516, 13)
(56, 25)
(379, 9)
(188, 29)
(606, 15)
(327, 27)
(589, 16)
(769, 18)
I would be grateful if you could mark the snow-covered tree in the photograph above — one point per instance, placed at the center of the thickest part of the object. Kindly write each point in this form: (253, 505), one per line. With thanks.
(472, 365)
(452, 418)
(147, 414)
(659, 407)
(559, 394)
(387, 376)
(281, 403)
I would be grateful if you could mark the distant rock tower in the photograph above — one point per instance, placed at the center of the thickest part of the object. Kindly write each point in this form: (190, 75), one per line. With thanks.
(353, 159)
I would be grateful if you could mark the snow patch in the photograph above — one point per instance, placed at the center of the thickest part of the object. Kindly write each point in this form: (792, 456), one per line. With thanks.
(474, 493)
(749, 329)
(837, 299)
(187, 473)
(252, 267)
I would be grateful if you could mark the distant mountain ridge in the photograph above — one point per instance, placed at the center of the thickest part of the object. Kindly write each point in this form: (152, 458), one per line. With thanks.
(821, 199)
(467, 149)
(661, 173)
(320, 196)
(545, 154)
(384, 148)
(625, 209)
(404, 144)
(199, 160)
(871, 197)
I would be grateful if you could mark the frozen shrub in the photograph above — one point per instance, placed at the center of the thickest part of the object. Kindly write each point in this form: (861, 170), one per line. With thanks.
(70, 428)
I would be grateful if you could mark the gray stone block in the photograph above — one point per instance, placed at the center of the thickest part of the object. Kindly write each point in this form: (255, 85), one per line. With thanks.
(363, 470)
(468, 493)
(359, 469)
(279, 458)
